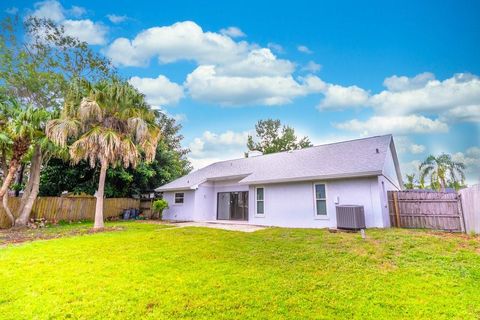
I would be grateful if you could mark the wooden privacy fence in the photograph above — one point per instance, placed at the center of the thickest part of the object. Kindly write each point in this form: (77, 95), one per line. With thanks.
(70, 208)
(423, 209)
(470, 198)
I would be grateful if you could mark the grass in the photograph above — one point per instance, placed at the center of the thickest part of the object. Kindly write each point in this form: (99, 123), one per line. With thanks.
(147, 271)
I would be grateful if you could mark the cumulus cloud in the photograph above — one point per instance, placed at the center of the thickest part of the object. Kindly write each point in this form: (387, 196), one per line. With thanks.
(337, 96)
(180, 41)
(405, 145)
(232, 32)
(206, 85)
(398, 84)
(259, 62)
(212, 147)
(85, 30)
(159, 91)
(394, 124)
(275, 47)
(471, 158)
(116, 18)
(304, 49)
(426, 94)
(312, 67)
(469, 113)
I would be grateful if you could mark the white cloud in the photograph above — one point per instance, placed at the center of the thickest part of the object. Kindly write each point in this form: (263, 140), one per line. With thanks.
(398, 84)
(394, 124)
(275, 47)
(416, 148)
(116, 18)
(311, 66)
(464, 113)
(206, 85)
(49, 9)
(180, 41)
(471, 158)
(428, 95)
(11, 10)
(86, 30)
(233, 32)
(77, 11)
(405, 145)
(343, 97)
(212, 147)
(304, 49)
(259, 62)
(159, 91)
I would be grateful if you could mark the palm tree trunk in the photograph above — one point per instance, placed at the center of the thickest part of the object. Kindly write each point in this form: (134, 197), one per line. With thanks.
(32, 188)
(7, 209)
(19, 179)
(8, 179)
(100, 193)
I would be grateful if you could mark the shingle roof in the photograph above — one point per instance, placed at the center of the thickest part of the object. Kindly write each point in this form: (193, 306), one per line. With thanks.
(335, 160)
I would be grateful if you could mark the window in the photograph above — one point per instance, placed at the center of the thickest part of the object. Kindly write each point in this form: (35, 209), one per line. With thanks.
(320, 200)
(260, 201)
(179, 197)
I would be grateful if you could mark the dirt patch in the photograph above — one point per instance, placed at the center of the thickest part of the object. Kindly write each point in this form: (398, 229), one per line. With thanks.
(25, 235)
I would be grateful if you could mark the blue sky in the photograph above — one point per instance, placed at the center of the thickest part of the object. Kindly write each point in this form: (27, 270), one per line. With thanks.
(333, 70)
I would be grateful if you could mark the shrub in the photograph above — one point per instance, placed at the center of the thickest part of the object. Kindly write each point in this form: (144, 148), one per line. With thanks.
(158, 207)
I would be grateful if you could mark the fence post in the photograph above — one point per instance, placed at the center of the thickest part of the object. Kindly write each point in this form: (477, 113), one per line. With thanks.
(396, 209)
(462, 216)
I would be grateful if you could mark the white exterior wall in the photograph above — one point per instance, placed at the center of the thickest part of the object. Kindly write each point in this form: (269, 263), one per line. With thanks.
(293, 204)
(181, 212)
(288, 204)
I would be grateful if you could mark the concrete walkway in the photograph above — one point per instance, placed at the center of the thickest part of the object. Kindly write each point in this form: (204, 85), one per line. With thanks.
(243, 227)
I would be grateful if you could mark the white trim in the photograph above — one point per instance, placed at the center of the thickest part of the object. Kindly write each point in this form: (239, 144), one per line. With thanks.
(258, 215)
(315, 215)
(175, 203)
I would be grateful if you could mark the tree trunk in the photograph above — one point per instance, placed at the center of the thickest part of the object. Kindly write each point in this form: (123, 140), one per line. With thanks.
(100, 193)
(19, 179)
(7, 209)
(8, 179)
(32, 188)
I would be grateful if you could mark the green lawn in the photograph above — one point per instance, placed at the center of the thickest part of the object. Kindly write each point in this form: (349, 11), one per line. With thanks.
(150, 271)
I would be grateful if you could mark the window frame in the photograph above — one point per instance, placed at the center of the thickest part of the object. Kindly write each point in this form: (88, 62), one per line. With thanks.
(259, 215)
(175, 198)
(315, 215)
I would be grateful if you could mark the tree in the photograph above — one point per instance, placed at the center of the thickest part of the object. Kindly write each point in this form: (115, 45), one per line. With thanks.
(273, 137)
(110, 124)
(170, 163)
(442, 171)
(20, 126)
(37, 70)
(410, 184)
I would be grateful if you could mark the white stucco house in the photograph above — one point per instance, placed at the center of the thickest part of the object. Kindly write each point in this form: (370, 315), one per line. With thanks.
(298, 188)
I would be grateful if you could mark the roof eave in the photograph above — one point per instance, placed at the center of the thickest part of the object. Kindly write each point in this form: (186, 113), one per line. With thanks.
(317, 178)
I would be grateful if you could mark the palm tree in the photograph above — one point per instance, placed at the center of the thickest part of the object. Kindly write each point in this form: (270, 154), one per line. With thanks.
(20, 126)
(109, 124)
(442, 170)
(410, 184)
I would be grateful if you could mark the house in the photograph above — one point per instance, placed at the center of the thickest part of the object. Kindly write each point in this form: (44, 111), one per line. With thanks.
(291, 189)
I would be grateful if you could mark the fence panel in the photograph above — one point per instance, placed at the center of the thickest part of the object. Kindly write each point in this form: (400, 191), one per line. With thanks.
(422, 209)
(470, 198)
(69, 208)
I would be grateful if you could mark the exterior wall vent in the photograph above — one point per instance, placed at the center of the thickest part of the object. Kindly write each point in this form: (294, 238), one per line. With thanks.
(350, 217)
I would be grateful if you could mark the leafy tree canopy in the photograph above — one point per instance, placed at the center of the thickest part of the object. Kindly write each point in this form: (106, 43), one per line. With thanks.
(170, 163)
(272, 136)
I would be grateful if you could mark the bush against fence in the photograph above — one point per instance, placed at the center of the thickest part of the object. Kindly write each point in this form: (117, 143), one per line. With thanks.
(70, 208)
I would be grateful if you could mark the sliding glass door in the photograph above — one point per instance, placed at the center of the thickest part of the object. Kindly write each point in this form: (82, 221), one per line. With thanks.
(232, 205)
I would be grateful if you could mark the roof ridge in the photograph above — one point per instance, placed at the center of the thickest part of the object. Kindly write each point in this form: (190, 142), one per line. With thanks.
(290, 151)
